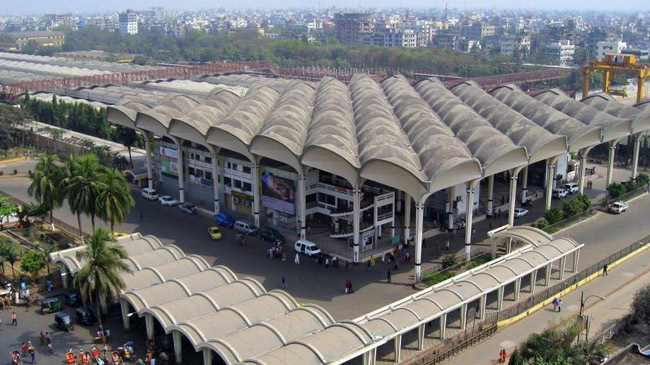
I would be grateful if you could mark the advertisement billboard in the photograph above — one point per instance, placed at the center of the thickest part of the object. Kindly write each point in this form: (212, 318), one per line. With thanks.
(278, 193)
(168, 161)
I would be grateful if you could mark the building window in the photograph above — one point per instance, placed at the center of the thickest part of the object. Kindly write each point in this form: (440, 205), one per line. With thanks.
(237, 184)
(227, 182)
(247, 169)
(190, 170)
(310, 198)
(208, 159)
(234, 166)
(247, 187)
(208, 175)
(191, 156)
(228, 166)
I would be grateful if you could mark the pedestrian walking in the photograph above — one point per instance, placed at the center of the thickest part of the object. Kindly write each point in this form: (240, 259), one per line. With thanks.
(297, 259)
(1, 325)
(555, 303)
(347, 265)
(368, 266)
(447, 245)
(33, 353)
(42, 338)
(284, 282)
(14, 319)
(335, 261)
(327, 262)
(559, 305)
(388, 277)
(605, 270)
(503, 356)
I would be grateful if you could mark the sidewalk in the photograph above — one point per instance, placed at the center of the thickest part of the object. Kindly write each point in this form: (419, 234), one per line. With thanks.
(618, 288)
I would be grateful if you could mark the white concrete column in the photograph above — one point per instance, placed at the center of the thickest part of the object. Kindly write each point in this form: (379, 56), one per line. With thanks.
(463, 316)
(524, 184)
(66, 277)
(481, 306)
(550, 176)
(398, 348)
(419, 224)
(207, 356)
(356, 219)
(178, 347)
(148, 321)
(610, 163)
(583, 170)
(533, 281)
(490, 207)
(126, 320)
(398, 201)
(635, 156)
(421, 337)
(255, 183)
(407, 216)
(513, 197)
(215, 181)
(181, 170)
(500, 292)
(370, 357)
(547, 274)
(517, 289)
(562, 267)
(302, 216)
(443, 326)
(469, 217)
(452, 198)
(576, 258)
(392, 223)
(147, 145)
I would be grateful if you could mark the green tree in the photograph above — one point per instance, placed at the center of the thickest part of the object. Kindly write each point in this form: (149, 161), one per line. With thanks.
(553, 215)
(32, 262)
(6, 207)
(11, 256)
(115, 200)
(45, 253)
(45, 184)
(83, 185)
(128, 137)
(641, 305)
(616, 190)
(99, 279)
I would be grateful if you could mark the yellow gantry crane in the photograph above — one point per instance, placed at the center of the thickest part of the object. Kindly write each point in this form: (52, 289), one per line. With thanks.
(616, 63)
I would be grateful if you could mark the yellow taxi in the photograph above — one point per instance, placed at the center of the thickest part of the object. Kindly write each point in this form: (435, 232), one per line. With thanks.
(214, 233)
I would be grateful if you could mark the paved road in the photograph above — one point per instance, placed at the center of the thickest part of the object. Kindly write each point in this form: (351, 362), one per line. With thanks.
(618, 288)
(309, 282)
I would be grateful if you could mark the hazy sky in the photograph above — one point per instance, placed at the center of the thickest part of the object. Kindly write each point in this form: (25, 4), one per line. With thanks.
(84, 6)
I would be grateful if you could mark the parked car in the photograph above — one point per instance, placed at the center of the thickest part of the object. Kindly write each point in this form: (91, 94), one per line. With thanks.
(72, 298)
(85, 315)
(572, 188)
(520, 212)
(187, 208)
(559, 193)
(150, 194)
(617, 207)
(307, 247)
(272, 235)
(225, 220)
(167, 201)
(214, 232)
(63, 321)
(246, 228)
(51, 305)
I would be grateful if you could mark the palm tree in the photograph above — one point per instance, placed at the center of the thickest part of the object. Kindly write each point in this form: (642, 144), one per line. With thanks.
(47, 250)
(99, 279)
(115, 200)
(45, 184)
(70, 170)
(83, 186)
(11, 256)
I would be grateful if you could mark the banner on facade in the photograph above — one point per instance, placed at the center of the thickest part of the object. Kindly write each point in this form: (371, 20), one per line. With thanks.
(168, 161)
(278, 193)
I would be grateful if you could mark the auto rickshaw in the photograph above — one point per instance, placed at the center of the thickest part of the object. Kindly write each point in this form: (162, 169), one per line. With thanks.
(63, 321)
(51, 305)
(85, 316)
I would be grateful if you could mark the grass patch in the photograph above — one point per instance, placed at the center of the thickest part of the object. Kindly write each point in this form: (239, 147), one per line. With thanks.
(437, 277)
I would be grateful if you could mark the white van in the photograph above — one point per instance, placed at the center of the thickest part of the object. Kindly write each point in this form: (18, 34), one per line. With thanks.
(308, 248)
(245, 228)
(572, 188)
(150, 194)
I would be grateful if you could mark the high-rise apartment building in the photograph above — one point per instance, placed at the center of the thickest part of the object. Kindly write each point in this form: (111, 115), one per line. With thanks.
(352, 27)
(128, 22)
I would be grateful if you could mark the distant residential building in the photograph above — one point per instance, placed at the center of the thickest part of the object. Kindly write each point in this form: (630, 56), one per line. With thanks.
(178, 30)
(641, 54)
(393, 37)
(448, 41)
(15, 41)
(478, 31)
(128, 22)
(602, 48)
(510, 44)
(351, 28)
(271, 35)
(560, 51)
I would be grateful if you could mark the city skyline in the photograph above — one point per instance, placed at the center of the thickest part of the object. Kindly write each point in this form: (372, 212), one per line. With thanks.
(78, 6)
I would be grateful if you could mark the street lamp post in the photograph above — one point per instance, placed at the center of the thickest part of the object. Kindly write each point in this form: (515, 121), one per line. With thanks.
(583, 300)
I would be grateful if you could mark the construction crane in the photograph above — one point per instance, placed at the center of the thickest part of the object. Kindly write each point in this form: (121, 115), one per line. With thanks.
(616, 63)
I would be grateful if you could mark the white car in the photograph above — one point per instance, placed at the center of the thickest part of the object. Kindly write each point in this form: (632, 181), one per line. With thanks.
(559, 193)
(520, 212)
(572, 188)
(618, 207)
(307, 247)
(150, 194)
(167, 201)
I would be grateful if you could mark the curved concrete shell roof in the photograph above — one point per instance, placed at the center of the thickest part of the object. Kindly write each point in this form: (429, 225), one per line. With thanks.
(540, 143)
(579, 135)
(613, 128)
(445, 159)
(495, 151)
(606, 103)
